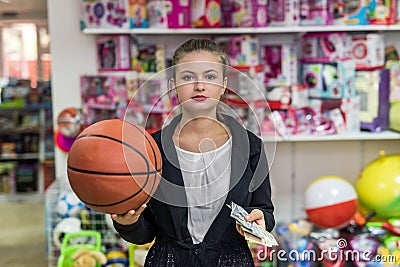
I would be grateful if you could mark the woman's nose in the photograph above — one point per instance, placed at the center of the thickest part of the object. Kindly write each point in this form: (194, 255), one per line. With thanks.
(199, 85)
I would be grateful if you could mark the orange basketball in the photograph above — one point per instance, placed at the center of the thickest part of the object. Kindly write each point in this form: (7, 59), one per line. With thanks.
(114, 166)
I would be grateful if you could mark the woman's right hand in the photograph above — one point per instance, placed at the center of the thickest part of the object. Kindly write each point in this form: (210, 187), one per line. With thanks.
(129, 217)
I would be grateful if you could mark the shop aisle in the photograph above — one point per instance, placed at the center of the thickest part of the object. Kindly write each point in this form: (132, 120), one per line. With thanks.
(22, 235)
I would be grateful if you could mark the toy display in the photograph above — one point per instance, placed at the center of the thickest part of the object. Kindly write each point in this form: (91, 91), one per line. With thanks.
(63, 227)
(103, 97)
(113, 184)
(330, 201)
(378, 186)
(243, 13)
(104, 14)
(242, 49)
(373, 88)
(205, 13)
(113, 52)
(88, 258)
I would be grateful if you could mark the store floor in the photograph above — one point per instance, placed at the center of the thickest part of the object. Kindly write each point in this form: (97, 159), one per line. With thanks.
(22, 235)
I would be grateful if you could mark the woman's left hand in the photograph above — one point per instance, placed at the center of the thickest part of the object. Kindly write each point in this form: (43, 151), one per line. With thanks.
(256, 216)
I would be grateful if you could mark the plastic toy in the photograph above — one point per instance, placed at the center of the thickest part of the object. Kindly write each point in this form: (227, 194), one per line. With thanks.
(70, 122)
(378, 186)
(382, 12)
(70, 252)
(330, 202)
(117, 258)
(62, 142)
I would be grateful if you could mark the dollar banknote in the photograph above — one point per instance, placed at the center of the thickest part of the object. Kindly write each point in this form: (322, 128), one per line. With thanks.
(252, 231)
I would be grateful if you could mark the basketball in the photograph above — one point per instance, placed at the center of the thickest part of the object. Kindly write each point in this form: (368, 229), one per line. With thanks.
(114, 166)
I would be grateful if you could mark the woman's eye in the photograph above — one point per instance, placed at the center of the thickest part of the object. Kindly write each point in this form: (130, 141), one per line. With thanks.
(188, 78)
(211, 77)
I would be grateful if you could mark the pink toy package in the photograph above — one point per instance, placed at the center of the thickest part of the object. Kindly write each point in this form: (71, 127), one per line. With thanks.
(113, 52)
(169, 14)
(326, 47)
(283, 12)
(316, 12)
(103, 97)
(205, 13)
(280, 63)
(368, 50)
(244, 13)
(104, 14)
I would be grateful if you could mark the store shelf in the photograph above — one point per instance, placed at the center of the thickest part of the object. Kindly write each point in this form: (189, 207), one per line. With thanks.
(22, 156)
(361, 136)
(261, 30)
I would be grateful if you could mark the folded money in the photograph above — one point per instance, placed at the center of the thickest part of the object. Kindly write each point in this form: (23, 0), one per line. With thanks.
(252, 232)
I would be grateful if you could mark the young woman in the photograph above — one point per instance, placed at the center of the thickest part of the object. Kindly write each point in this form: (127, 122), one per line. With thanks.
(209, 160)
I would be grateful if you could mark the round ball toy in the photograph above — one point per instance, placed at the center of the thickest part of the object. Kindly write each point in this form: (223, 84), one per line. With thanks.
(68, 204)
(70, 122)
(114, 166)
(330, 202)
(378, 186)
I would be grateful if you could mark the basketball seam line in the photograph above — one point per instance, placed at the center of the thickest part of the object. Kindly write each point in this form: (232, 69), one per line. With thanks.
(112, 173)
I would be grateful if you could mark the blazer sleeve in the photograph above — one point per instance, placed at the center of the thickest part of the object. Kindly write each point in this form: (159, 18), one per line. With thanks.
(141, 232)
(260, 187)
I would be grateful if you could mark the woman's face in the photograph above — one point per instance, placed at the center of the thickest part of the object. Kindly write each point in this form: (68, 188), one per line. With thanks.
(199, 81)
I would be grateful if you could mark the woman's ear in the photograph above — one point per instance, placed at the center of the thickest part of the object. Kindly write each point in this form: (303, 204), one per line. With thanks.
(225, 82)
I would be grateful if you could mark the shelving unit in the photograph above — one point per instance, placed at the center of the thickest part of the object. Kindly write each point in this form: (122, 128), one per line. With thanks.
(23, 149)
(263, 30)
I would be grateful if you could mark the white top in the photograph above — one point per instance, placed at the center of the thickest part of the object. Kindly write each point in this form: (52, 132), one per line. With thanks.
(206, 177)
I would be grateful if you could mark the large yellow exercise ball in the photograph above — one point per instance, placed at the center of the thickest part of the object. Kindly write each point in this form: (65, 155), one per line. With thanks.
(378, 186)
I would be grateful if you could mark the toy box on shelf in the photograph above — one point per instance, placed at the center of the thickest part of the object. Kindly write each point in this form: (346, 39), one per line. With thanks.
(368, 50)
(280, 64)
(382, 12)
(373, 86)
(316, 12)
(113, 52)
(243, 50)
(238, 13)
(283, 12)
(329, 80)
(169, 14)
(103, 97)
(352, 12)
(285, 97)
(205, 13)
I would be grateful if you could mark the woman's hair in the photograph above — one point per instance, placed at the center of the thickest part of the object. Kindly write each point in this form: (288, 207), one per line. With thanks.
(193, 45)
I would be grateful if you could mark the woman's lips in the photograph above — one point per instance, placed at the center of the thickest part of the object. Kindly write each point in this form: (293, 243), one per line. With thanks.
(199, 98)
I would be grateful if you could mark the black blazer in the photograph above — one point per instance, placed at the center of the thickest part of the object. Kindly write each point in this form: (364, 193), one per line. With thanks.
(166, 216)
